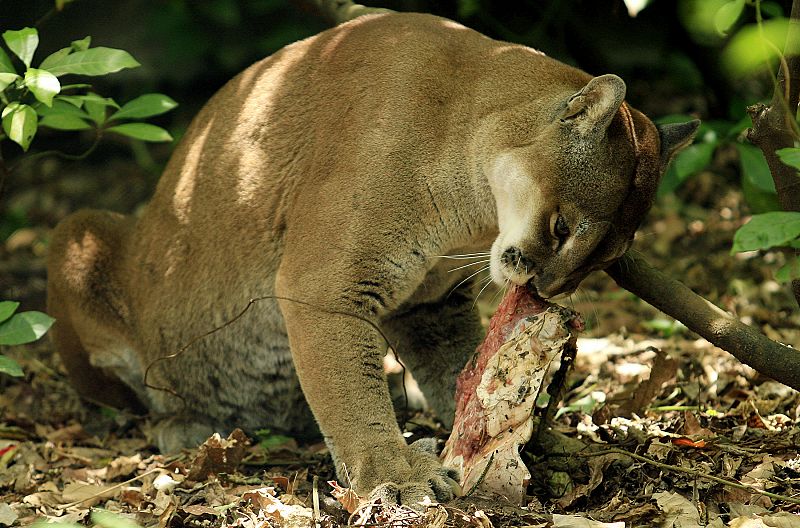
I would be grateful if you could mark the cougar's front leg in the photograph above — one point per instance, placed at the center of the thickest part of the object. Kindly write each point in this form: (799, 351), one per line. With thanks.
(338, 359)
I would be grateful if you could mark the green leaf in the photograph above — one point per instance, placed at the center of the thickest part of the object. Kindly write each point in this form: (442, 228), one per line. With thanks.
(60, 106)
(6, 79)
(758, 200)
(753, 48)
(755, 168)
(790, 156)
(93, 61)
(74, 100)
(19, 124)
(789, 271)
(96, 111)
(727, 16)
(7, 309)
(686, 164)
(64, 122)
(94, 98)
(95, 106)
(74, 86)
(467, 8)
(60, 5)
(771, 9)
(146, 105)
(665, 327)
(767, 230)
(23, 43)
(24, 327)
(106, 519)
(10, 367)
(268, 440)
(54, 58)
(143, 131)
(82, 44)
(6, 65)
(42, 84)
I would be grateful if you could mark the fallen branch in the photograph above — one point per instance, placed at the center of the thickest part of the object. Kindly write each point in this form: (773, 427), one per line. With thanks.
(748, 345)
(110, 488)
(694, 472)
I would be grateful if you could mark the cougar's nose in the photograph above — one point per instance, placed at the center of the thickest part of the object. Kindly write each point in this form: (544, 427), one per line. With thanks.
(514, 258)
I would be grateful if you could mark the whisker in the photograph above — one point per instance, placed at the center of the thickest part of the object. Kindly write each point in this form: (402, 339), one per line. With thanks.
(488, 282)
(465, 256)
(502, 290)
(591, 304)
(465, 280)
(468, 265)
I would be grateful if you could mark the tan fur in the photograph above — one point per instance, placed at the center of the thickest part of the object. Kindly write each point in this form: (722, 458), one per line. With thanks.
(336, 172)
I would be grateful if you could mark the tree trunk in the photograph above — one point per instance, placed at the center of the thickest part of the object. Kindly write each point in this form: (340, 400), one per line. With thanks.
(775, 126)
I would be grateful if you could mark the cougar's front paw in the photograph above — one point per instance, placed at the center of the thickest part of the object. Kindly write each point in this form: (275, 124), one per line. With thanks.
(424, 476)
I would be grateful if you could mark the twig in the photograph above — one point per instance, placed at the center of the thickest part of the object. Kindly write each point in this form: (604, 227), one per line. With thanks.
(751, 347)
(480, 479)
(57, 153)
(101, 493)
(315, 500)
(694, 472)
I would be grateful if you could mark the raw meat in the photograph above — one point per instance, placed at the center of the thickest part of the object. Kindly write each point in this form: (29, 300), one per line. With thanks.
(497, 391)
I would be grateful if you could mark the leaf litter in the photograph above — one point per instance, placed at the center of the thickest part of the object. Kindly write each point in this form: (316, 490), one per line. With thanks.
(655, 427)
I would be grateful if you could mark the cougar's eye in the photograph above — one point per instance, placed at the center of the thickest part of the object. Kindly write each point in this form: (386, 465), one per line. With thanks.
(561, 229)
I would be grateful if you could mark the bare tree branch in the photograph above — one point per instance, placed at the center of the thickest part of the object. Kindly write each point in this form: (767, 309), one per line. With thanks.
(339, 11)
(748, 345)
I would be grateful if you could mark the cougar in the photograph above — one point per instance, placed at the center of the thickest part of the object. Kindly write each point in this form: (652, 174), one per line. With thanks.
(333, 177)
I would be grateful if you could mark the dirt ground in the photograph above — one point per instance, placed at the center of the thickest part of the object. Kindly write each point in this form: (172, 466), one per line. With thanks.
(656, 426)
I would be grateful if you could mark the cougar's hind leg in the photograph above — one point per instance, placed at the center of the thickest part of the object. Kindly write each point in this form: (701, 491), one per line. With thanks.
(435, 341)
(89, 308)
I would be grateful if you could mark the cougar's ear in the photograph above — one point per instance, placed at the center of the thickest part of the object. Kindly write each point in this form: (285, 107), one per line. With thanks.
(675, 137)
(593, 108)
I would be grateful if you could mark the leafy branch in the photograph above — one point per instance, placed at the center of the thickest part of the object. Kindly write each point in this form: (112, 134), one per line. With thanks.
(31, 98)
(34, 97)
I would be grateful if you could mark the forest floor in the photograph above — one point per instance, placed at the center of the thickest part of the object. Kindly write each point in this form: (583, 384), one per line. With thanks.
(677, 432)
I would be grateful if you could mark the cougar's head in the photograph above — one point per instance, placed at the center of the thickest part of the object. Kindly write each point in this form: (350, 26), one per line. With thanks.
(570, 198)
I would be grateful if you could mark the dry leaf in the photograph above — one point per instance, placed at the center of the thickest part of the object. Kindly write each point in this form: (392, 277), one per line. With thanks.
(679, 512)
(43, 498)
(7, 514)
(692, 427)
(575, 521)
(346, 496)
(199, 509)
(69, 434)
(88, 494)
(597, 467)
(218, 456)
(760, 476)
(287, 514)
(123, 466)
(664, 370)
(163, 502)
